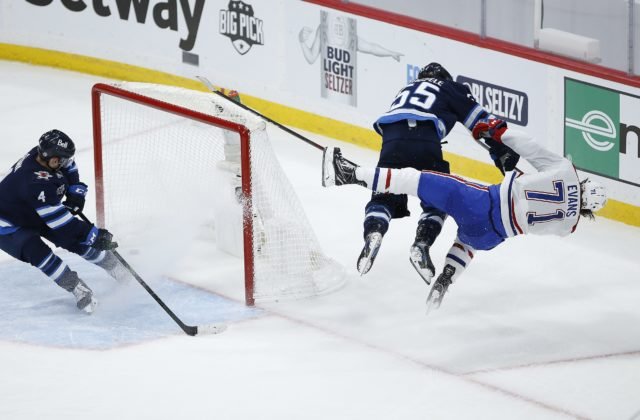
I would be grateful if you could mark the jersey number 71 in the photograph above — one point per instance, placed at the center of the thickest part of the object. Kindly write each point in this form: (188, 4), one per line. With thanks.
(557, 196)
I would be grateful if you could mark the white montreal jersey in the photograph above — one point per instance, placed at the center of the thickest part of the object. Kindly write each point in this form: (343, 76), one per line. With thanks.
(542, 203)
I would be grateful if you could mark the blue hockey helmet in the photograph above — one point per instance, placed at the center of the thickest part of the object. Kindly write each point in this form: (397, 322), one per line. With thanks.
(55, 143)
(434, 70)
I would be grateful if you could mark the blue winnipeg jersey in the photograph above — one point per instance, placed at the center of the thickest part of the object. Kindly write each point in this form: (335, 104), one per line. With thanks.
(441, 101)
(31, 196)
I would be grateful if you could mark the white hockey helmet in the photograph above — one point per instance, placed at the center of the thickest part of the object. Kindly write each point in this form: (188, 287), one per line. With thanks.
(594, 196)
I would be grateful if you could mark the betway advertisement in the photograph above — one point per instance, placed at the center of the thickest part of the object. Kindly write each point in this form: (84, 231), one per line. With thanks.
(182, 18)
(217, 38)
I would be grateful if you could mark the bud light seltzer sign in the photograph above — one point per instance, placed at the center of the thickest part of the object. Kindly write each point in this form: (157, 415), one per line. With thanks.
(241, 26)
(337, 43)
(339, 53)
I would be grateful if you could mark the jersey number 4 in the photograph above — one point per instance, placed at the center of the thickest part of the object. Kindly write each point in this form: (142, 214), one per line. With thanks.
(421, 96)
(557, 196)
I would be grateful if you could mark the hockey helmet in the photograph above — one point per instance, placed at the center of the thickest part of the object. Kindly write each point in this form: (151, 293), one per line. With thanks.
(55, 143)
(594, 195)
(434, 70)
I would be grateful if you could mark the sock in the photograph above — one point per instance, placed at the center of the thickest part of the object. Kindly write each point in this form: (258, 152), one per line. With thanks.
(366, 174)
(385, 180)
(459, 256)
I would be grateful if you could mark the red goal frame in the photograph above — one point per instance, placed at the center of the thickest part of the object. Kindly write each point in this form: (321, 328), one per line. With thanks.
(100, 89)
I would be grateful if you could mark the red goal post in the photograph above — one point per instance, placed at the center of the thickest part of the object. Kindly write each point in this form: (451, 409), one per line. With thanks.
(132, 117)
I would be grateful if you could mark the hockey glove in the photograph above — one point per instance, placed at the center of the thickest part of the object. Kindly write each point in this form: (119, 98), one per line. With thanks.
(76, 195)
(104, 241)
(100, 239)
(492, 128)
(503, 156)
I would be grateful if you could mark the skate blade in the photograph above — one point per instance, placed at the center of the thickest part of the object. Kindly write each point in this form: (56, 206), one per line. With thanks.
(366, 262)
(434, 300)
(364, 266)
(424, 273)
(328, 171)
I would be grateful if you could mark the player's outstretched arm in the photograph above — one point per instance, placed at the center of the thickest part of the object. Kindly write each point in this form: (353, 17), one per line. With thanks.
(520, 142)
(539, 157)
(489, 130)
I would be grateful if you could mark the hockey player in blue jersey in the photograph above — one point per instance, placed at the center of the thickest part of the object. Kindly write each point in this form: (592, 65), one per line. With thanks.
(420, 117)
(31, 208)
(547, 202)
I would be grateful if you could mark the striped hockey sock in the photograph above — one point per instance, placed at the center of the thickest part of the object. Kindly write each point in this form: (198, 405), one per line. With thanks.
(459, 257)
(386, 180)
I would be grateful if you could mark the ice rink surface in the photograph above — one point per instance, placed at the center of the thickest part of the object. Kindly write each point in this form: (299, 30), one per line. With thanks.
(538, 328)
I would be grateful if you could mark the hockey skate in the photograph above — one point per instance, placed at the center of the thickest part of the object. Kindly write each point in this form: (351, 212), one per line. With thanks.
(421, 260)
(369, 252)
(434, 300)
(84, 297)
(337, 170)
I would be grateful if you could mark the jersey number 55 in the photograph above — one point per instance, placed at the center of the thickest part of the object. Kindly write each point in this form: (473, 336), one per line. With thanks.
(421, 95)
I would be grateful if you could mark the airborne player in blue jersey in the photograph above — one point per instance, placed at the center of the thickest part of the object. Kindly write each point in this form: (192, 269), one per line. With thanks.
(547, 202)
(31, 208)
(420, 117)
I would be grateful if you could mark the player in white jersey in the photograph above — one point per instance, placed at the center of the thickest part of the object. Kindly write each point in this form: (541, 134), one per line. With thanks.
(549, 201)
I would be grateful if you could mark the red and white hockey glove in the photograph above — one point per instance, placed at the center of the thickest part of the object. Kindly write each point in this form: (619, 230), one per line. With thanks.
(492, 128)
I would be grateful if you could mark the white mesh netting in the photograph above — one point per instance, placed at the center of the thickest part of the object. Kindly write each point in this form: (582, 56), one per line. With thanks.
(163, 186)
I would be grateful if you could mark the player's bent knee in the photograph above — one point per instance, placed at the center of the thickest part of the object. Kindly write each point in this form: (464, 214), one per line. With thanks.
(33, 251)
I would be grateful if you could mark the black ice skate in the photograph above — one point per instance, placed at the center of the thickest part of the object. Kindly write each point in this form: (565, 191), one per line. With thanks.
(421, 260)
(337, 170)
(84, 297)
(434, 300)
(369, 251)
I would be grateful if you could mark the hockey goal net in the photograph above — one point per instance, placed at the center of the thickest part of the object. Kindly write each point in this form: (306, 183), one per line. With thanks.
(164, 179)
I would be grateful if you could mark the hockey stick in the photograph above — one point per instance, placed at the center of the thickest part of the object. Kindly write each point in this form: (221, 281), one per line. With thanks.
(188, 329)
(213, 89)
(488, 149)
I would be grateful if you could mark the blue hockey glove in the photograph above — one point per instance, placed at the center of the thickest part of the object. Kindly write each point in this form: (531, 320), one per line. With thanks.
(100, 239)
(76, 196)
